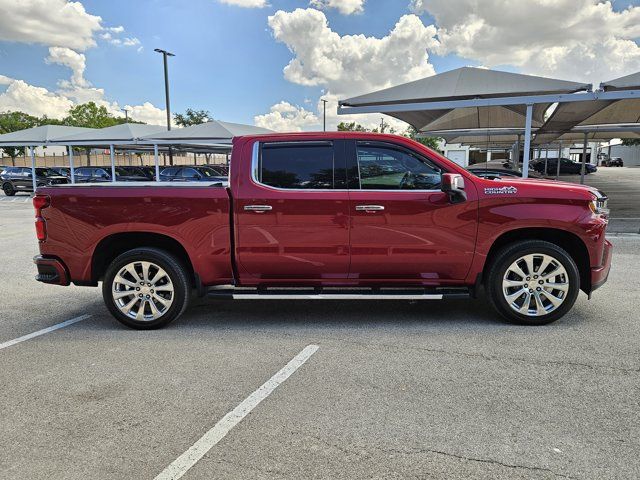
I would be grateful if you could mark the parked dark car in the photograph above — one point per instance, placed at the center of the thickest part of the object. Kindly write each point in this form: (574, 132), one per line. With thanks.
(222, 170)
(103, 174)
(191, 174)
(566, 166)
(64, 171)
(148, 171)
(612, 162)
(20, 179)
(3, 168)
(494, 173)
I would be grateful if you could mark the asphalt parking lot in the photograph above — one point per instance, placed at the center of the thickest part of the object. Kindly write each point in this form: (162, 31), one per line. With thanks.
(424, 390)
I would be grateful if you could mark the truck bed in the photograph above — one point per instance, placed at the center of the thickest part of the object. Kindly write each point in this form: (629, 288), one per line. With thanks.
(198, 218)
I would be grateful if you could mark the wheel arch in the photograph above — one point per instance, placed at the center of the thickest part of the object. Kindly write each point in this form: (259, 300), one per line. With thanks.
(570, 242)
(113, 245)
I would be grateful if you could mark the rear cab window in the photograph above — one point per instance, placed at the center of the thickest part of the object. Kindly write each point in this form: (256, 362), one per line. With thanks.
(303, 165)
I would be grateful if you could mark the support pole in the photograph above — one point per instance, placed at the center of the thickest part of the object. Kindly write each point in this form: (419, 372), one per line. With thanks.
(71, 166)
(546, 161)
(34, 178)
(516, 163)
(156, 161)
(527, 142)
(559, 158)
(113, 163)
(584, 159)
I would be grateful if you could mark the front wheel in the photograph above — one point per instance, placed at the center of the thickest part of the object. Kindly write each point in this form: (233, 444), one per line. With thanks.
(8, 189)
(533, 282)
(146, 288)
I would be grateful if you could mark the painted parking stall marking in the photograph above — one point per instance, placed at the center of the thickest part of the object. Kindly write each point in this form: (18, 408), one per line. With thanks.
(52, 328)
(188, 459)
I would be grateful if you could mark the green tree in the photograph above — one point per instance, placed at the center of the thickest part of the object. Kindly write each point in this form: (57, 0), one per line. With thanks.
(192, 117)
(431, 142)
(351, 127)
(12, 122)
(90, 115)
(630, 142)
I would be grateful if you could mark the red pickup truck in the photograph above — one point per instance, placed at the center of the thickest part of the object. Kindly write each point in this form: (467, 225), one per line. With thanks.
(327, 216)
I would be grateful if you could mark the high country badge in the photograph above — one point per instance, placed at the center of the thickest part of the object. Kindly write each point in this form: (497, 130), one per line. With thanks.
(500, 190)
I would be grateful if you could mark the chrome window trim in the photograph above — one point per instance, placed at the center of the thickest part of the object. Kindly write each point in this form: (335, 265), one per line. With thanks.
(255, 154)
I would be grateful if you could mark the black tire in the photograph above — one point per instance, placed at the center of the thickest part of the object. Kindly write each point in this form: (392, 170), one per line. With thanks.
(177, 273)
(513, 252)
(8, 189)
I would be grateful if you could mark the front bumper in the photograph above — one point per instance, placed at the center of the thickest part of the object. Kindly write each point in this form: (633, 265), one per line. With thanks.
(51, 270)
(600, 274)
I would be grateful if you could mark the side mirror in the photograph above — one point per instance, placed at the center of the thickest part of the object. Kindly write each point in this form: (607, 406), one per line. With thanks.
(453, 185)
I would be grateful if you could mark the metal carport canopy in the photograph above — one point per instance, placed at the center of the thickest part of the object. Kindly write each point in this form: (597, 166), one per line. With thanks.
(124, 135)
(39, 136)
(467, 83)
(480, 88)
(216, 134)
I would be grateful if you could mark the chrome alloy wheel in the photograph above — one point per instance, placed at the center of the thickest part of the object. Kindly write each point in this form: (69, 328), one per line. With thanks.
(535, 285)
(142, 291)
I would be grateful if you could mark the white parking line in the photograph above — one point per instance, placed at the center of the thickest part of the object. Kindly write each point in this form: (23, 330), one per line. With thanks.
(188, 459)
(43, 331)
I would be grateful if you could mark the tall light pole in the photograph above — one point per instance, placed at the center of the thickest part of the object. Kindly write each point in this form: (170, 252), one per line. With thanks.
(166, 54)
(126, 115)
(324, 114)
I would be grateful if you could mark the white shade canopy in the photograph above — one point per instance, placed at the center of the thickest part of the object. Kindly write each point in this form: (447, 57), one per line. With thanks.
(123, 134)
(463, 84)
(39, 135)
(214, 131)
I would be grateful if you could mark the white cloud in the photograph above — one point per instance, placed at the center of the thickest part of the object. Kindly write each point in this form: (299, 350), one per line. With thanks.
(352, 64)
(131, 42)
(246, 3)
(572, 39)
(284, 117)
(345, 65)
(48, 22)
(33, 100)
(69, 58)
(118, 29)
(346, 7)
(4, 80)
(147, 113)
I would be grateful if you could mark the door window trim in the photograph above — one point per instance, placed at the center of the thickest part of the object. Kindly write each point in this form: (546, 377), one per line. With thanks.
(400, 148)
(255, 165)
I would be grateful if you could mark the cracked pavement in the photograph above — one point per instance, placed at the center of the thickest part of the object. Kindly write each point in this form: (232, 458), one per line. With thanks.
(425, 390)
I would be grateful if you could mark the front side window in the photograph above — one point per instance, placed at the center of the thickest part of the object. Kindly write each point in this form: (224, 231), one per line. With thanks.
(389, 168)
(297, 165)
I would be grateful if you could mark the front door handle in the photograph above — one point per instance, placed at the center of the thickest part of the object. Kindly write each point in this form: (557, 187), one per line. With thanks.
(369, 208)
(258, 208)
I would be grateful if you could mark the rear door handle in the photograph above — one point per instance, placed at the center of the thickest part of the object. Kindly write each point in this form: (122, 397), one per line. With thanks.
(369, 208)
(258, 208)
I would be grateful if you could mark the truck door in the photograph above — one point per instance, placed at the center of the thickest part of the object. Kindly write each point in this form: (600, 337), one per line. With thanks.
(292, 212)
(403, 227)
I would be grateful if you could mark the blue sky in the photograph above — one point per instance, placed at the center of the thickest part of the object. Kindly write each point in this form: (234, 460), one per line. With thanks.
(229, 62)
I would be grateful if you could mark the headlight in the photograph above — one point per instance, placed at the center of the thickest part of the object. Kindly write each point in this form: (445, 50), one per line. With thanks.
(599, 205)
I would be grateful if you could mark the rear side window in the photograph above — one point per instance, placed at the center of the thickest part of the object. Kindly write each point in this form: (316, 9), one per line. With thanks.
(303, 165)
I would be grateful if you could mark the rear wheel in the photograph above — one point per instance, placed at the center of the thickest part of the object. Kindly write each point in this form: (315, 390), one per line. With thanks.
(8, 189)
(533, 282)
(146, 288)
